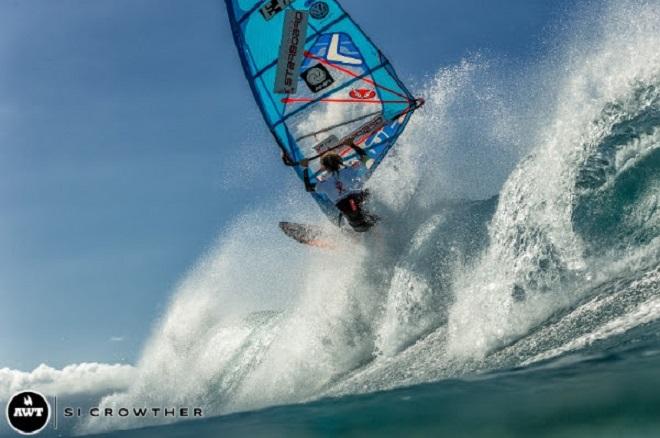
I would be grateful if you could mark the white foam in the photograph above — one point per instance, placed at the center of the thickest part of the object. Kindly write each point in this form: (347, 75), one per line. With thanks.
(363, 316)
(644, 313)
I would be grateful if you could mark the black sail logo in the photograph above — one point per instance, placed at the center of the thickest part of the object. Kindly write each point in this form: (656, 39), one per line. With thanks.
(317, 78)
(28, 412)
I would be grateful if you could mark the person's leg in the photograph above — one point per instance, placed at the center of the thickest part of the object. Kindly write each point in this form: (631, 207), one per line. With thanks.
(369, 217)
(352, 208)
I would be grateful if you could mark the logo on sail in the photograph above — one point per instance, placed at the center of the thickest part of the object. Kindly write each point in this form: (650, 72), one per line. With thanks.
(291, 52)
(319, 10)
(317, 78)
(362, 93)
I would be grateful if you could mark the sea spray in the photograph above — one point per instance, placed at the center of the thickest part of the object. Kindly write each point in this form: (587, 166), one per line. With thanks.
(443, 289)
(536, 262)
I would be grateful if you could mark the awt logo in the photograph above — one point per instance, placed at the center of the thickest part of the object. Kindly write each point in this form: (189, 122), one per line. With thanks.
(28, 412)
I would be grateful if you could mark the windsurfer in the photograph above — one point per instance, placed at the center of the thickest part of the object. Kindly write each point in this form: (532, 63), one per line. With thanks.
(342, 184)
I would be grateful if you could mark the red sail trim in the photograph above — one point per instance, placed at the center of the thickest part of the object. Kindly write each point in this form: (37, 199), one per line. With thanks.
(364, 138)
(305, 99)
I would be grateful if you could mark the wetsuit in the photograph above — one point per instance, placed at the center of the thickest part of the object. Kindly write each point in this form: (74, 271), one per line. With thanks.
(343, 188)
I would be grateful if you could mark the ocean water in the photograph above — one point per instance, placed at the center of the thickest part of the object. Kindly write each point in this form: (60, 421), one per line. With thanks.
(607, 390)
(534, 312)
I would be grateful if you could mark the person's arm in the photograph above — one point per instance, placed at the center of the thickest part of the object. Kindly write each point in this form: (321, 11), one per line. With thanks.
(286, 159)
(360, 152)
(308, 184)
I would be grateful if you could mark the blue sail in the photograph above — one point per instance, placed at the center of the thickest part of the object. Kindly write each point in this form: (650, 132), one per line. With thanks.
(319, 80)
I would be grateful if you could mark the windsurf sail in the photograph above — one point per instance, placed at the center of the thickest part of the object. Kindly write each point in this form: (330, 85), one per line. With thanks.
(320, 82)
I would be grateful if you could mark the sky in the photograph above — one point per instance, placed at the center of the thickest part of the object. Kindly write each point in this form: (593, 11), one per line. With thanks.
(118, 124)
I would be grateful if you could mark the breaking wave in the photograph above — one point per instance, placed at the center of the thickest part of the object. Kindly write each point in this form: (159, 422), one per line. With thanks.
(565, 254)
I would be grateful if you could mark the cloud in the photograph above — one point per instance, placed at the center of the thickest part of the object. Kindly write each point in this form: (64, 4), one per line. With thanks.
(77, 379)
(117, 339)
